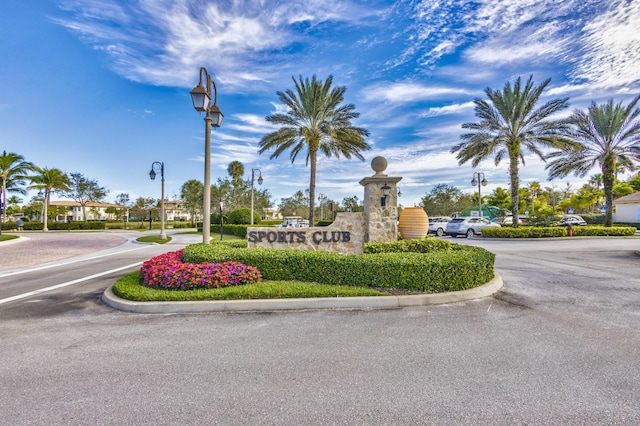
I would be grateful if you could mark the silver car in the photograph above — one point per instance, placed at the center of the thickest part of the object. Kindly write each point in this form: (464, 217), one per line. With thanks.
(438, 225)
(468, 226)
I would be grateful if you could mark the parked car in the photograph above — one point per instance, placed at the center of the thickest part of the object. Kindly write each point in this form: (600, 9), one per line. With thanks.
(573, 220)
(468, 226)
(505, 220)
(438, 225)
(293, 222)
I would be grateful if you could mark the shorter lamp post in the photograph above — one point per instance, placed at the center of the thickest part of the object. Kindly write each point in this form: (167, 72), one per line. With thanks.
(221, 209)
(322, 198)
(260, 180)
(152, 175)
(479, 179)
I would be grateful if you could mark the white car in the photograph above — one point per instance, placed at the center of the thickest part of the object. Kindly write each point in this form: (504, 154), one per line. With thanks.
(438, 225)
(469, 226)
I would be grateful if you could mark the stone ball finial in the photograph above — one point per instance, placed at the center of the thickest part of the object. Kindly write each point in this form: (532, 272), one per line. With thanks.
(379, 165)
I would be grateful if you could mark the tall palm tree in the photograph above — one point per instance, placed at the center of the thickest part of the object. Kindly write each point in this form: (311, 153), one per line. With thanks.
(13, 172)
(608, 137)
(315, 122)
(510, 125)
(48, 180)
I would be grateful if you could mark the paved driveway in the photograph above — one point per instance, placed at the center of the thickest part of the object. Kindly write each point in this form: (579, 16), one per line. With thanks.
(560, 345)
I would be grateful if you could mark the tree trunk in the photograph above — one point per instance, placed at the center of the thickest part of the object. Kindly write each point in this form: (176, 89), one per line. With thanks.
(45, 209)
(608, 178)
(312, 185)
(513, 177)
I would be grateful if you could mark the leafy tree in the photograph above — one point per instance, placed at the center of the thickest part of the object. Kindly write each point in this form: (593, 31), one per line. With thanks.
(351, 204)
(13, 172)
(297, 205)
(444, 200)
(142, 207)
(84, 190)
(192, 196)
(510, 125)
(500, 198)
(607, 136)
(315, 122)
(634, 182)
(48, 180)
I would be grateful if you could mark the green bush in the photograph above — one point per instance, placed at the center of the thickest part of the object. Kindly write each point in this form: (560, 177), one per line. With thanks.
(524, 232)
(64, 226)
(459, 268)
(421, 245)
(557, 231)
(10, 225)
(597, 230)
(271, 222)
(242, 217)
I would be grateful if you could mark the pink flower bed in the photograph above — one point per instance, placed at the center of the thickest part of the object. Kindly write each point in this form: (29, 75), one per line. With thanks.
(169, 272)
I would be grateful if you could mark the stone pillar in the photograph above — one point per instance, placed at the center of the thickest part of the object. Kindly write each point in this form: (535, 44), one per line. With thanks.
(382, 221)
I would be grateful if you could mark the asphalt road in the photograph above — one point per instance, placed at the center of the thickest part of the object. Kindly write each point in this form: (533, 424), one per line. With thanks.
(559, 345)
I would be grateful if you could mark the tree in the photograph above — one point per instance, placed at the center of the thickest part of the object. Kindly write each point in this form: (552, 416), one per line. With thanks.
(236, 171)
(351, 204)
(13, 172)
(192, 196)
(84, 190)
(315, 122)
(443, 200)
(296, 205)
(48, 180)
(500, 198)
(509, 126)
(607, 136)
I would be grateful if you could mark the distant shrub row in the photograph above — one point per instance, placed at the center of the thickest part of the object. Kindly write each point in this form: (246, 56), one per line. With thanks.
(557, 231)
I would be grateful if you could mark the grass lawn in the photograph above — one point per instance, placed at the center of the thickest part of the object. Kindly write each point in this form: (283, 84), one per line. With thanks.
(5, 237)
(153, 239)
(129, 288)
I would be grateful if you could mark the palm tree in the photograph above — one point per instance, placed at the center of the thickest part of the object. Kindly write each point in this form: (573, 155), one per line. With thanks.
(315, 122)
(48, 180)
(511, 125)
(607, 136)
(13, 172)
(236, 171)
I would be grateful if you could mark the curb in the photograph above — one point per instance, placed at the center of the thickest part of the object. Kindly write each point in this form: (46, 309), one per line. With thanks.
(265, 305)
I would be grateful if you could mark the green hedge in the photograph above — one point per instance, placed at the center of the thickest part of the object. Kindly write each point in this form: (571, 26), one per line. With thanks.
(459, 268)
(557, 231)
(601, 231)
(422, 245)
(525, 232)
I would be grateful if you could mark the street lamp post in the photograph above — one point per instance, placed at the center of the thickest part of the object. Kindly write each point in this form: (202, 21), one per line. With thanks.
(152, 175)
(260, 180)
(221, 209)
(479, 179)
(201, 98)
(322, 198)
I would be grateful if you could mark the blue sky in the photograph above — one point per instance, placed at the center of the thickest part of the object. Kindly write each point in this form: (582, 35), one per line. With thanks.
(102, 86)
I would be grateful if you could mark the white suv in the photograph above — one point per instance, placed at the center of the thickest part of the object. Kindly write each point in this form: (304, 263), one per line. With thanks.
(469, 226)
(438, 225)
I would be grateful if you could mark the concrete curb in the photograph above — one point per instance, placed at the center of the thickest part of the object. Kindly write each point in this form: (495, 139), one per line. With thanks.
(381, 302)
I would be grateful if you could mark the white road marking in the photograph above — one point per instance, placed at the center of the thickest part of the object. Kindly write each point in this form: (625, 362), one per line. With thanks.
(68, 283)
(68, 262)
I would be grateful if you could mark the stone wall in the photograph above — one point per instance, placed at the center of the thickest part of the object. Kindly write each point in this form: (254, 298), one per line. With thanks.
(345, 235)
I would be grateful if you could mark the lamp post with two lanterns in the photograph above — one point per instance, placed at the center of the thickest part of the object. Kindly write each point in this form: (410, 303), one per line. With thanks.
(157, 165)
(260, 180)
(201, 97)
(479, 179)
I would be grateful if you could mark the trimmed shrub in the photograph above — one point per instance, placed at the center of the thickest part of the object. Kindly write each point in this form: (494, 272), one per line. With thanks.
(243, 217)
(596, 230)
(525, 232)
(556, 231)
(459, 268)
(421, 245)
